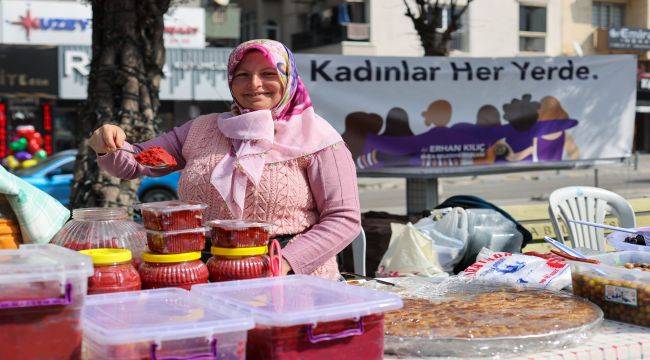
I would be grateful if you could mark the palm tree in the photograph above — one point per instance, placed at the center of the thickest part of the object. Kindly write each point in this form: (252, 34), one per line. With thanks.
(128, 54)
(429, 20)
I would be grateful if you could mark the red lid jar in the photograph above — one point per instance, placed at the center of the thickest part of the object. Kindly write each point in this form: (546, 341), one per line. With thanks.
(172, 270)
(114, 271)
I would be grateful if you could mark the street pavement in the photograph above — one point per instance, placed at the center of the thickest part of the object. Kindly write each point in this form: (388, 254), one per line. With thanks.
(626, 179)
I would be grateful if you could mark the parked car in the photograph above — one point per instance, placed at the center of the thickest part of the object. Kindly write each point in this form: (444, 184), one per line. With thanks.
(55, 174)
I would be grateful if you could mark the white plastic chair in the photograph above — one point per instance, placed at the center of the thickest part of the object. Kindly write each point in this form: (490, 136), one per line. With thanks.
(587, 204)
(359, 253)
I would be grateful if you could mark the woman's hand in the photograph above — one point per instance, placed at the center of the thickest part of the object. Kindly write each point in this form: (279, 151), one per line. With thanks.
(107, 139)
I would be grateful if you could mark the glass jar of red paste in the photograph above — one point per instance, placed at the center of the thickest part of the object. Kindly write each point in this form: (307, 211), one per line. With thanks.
(238, 263)
(114, 271)
(239, 233)
(98, 228)
(172, 270)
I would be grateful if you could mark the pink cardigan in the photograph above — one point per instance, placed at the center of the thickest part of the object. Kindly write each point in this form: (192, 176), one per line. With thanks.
(331, 178)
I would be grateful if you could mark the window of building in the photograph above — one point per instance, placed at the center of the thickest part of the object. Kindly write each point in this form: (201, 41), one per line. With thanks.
(607, 15)
(248, 26)
(272, 30)
(532, 28)
(459, 38)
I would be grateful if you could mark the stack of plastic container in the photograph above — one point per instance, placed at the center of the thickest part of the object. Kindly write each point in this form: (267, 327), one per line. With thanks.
(42, 292)
(175, 238)
(239, 250)
(305, 317)
(161, 324)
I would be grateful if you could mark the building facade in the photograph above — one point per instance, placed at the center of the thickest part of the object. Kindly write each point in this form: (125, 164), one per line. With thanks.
(49, 93)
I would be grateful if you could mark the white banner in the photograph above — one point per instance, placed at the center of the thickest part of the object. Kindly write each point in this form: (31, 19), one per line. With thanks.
(70, 23)
(435, 112)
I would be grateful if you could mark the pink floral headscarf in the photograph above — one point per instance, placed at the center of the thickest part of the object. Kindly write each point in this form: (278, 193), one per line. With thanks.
(288, 131)
(295, 98)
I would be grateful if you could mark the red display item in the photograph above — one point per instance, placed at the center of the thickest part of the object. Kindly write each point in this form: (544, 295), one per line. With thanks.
(340, 340)
(41, 297)
(172, 215)
(155, 156)
(223, 268)
(173, 270)
(176, 242)
(114, 271)
(239, 233)
(40, 332)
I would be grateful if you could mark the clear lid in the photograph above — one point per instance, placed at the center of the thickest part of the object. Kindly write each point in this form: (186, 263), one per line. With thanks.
(612, 265)
(157, 315)
(298, 299)
(171, 206)
(47, 262)
(177, 232)
(238, 224)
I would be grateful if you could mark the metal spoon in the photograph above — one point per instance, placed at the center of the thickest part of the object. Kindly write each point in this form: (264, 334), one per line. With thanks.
(572, 252)
(159, 167)
(645, 234)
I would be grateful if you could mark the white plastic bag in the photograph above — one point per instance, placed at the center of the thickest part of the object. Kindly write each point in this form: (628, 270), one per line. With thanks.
(519, 270)
(431, 246)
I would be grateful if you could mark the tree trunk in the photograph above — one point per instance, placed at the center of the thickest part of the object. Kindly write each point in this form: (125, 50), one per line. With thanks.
(128, 54)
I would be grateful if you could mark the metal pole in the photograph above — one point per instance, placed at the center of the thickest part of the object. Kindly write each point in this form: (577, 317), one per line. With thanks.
(596, 177)
(421, 195)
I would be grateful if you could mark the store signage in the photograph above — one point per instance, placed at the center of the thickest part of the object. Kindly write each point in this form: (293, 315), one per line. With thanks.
(70, 23)
(629, 39)
(189, 74)
(19, 73)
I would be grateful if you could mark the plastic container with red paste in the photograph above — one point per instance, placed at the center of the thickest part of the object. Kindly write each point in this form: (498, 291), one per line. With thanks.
(172, 270)
(41, 297)
(306, 317)
(114, 271)
(239, 233)
(176, 241)
(162, 324)
(172, 215)
(155, 156)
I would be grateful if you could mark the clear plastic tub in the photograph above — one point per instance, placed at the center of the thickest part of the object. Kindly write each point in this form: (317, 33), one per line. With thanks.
(42, 292)
(239, 233)
(623, 294)
(176, 241)
(172, 215)
(306, 317)
(162, 323)
(96, 228)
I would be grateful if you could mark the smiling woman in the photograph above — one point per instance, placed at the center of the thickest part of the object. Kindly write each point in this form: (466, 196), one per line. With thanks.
(256, 85)
(271, 159)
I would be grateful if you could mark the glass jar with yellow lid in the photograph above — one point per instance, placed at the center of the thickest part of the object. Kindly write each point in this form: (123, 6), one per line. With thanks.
(114, 271)
(172, 270)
